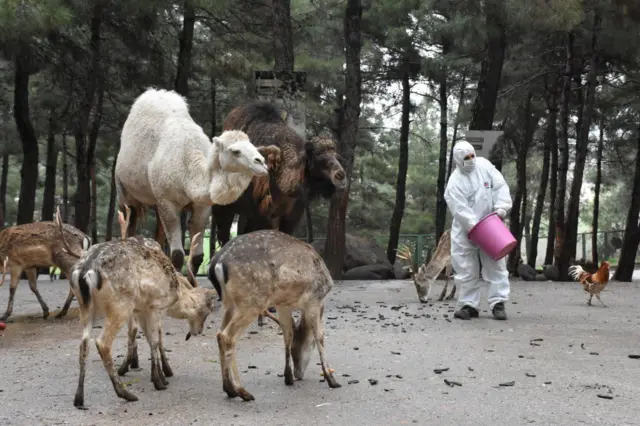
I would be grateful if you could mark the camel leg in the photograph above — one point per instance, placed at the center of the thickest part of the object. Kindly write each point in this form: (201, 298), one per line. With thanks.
(32, 276)
(170, 216)
(197, 224)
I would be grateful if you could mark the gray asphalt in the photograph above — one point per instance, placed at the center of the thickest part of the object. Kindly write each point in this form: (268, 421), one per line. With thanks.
(375, 330)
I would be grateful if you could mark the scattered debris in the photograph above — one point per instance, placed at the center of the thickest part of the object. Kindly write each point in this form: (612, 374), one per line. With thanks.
(353, 382)
(634, 356)
(508, 384)
(395, 353)
(373, 382)
(323, 404)
(452, 383)
(471, 369)
(594, 353)
(440, 370)
(529, 375)
(605, 396)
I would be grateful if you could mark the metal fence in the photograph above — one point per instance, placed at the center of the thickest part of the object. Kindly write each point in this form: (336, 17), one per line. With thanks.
(423, 246)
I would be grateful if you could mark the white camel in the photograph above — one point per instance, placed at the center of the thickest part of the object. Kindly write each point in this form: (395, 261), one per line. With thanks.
(167, 161)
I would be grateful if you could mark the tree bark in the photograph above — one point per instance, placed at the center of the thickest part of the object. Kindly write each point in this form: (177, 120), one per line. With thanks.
(582, 147)
(563, 148)
(348, 131)
(29, 170)
(629, 252)
(403, 162)
(456, 124)
(596, 197)
(519, 198)
(282, 36)
(214, 131)
(550, 136)
(484, 107)
(3, 189)
(111, 211)
(88, 114)
(181, 83)
(49, 196)
(441, 204)
(65, 181)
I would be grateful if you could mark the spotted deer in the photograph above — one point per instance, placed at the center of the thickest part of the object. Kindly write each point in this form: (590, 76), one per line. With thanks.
(428, 273)
(132, 278)
(27, 247)
(270, 268)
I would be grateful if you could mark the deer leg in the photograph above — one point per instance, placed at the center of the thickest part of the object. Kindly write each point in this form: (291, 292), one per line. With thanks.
(32, 277)
(86, 317)
(286, 323)
(227, 339)
(149, 323)
(314, 316)
(112, 324)
(132, 348)
(160, 235)
(600, 300)
(166, 369)
(197, 224)
(15, 279)
(170, 217)
(133, 219)
(453, 292)
(67, 304)
(444, 291)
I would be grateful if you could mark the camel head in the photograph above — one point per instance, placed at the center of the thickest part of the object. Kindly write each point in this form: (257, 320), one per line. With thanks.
(325, 171)
(236, 153)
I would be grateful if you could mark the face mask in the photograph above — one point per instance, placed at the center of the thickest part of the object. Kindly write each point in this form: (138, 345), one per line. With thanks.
(469, 165)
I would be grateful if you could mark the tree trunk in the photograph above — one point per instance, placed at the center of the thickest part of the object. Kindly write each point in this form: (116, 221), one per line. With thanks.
(49, 197)
(596, 197)
(582, 148)
(181, 84)
(91, 154)
(553, 192)
(348, 132)
(214, 131)
(550, 136)
(403, 162)
(441, 204)
(282, 36)
(88, 115)
(563, 148)
(519, 198)
(29, 170)
(3, 189)
(629, 252)
(65, 180)
(111, 211)
(456, 124)
(484, 107)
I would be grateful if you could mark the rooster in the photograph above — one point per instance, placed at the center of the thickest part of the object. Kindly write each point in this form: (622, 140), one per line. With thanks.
(592, 283)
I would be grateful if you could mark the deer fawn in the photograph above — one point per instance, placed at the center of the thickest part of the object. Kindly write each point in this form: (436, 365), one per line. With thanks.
(427, 274)
(270, 268)
(30, 246)
(133, 280)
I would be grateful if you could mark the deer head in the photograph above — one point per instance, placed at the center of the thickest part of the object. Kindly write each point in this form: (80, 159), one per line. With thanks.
(420, 279)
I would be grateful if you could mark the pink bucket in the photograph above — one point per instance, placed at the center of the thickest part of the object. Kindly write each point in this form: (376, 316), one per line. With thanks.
(493, 237)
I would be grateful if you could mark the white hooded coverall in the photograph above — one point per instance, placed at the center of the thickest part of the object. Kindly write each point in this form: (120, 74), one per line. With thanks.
(475, 189)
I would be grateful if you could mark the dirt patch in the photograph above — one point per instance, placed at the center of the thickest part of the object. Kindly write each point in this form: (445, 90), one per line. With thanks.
(30, 329)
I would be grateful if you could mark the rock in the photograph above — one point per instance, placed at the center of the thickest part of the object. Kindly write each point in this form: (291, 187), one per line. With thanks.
(401, 271)
(359, 251)
(541, 277)
(369, 272)
(526, 272)
(551, 272)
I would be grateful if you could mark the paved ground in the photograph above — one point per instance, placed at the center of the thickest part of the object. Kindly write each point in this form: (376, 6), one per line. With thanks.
(374, 331)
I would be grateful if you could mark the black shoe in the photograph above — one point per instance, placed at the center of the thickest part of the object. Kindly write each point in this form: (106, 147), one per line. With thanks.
(498, 311)
(466, 312)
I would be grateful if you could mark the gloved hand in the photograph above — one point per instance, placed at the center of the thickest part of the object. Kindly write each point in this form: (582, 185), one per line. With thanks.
(502, 213)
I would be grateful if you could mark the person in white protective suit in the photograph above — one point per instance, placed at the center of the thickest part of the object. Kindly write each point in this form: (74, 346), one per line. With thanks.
(475, 189)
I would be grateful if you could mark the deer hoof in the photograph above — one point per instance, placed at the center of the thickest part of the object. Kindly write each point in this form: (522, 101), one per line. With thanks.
(246, 396)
